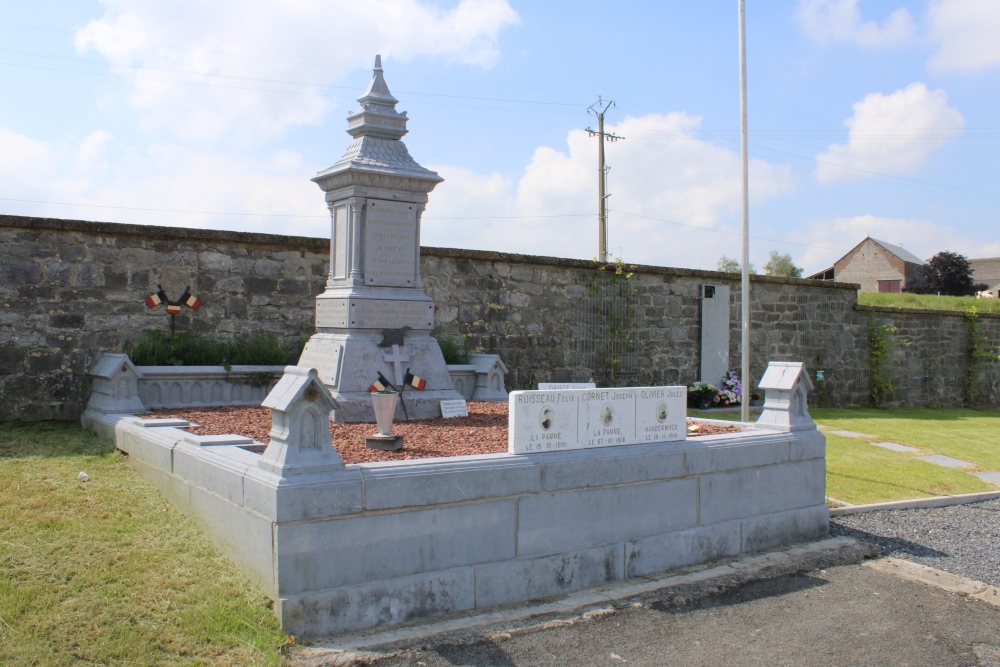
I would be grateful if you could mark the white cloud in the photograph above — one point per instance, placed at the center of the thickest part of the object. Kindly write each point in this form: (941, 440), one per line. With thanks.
(662, 170)
(22, 158)
(831, 21)
(892, 133)
(122, 187)
(290, 42)
(92, 155)
(966, 32)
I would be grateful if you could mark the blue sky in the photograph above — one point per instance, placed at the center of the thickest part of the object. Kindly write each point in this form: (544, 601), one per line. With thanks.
(866, 117)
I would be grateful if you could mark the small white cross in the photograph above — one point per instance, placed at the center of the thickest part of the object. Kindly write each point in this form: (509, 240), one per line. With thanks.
(397, 359)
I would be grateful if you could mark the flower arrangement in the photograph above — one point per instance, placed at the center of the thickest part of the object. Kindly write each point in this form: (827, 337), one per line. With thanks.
(731, 392)
(701, 394)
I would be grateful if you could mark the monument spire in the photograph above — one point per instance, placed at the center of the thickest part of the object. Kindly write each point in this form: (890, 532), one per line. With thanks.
(378, 90)
(377, 116)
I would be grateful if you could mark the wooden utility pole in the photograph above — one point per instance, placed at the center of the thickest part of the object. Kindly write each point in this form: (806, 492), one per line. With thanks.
(598, 109)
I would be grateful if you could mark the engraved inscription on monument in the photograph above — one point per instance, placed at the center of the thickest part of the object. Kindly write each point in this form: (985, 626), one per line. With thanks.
(357, 313)
(390, 243)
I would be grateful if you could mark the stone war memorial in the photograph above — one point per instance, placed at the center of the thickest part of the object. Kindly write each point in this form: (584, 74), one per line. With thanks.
(598, 484)
(374, 316)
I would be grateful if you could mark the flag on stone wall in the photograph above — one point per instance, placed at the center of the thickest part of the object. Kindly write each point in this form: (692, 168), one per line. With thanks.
(190, 300)
(154, 300)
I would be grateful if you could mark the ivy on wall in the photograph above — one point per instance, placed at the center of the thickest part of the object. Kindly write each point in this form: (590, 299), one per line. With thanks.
(979, 352)
(610, 315)
(881, 349)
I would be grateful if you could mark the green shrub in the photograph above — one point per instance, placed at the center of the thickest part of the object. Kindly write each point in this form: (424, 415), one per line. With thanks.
(158, 348)
(455, 350)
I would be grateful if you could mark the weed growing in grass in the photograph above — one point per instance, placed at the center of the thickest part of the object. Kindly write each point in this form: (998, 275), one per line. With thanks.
(455, 350)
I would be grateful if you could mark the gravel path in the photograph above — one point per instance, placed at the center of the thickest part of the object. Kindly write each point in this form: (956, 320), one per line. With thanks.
(962, 539)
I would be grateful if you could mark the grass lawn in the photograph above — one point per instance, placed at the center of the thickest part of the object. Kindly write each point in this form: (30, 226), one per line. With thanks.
(929, 301)
(970, 435)
(859, 473)
(107, 572)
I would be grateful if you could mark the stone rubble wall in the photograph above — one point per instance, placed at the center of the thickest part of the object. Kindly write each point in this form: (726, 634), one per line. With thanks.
(70, 290)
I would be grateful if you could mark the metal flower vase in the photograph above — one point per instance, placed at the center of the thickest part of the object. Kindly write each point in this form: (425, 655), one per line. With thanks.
(384, 404)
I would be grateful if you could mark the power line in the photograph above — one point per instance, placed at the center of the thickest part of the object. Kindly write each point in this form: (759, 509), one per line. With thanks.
(286, 215)
(286, 92)
(286, 62)
(723, 231)
(280, 81)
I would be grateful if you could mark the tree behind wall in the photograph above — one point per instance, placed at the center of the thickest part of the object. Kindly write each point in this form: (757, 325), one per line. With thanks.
(730, 265)
(945, 273)
(781, 265)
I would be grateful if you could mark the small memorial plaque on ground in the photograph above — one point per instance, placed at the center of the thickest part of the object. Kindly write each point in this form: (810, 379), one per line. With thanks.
(456, 408)
(547, 421)
(551, 386)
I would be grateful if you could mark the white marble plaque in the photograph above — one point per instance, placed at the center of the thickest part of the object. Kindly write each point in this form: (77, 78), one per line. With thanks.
(331, 313)
(324, 356)
(660, 414)
(545, 421)
(390, 243)
(549, 386)
(356, 313)
(607, 417)
(542, 421)
(456, 408)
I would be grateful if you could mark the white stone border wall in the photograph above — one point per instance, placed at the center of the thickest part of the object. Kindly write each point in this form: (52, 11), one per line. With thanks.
(202, 386)
(383, 543)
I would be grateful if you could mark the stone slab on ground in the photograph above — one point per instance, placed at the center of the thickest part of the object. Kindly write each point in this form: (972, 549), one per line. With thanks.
(946, 461)
(991, 477)
(895, 446)
(849, 434)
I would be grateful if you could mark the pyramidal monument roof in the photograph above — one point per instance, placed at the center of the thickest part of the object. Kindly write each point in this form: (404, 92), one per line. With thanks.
(376, 129)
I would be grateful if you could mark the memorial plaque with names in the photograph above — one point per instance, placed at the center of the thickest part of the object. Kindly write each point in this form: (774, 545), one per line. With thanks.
(546, 421)
(455, 408)
(549, 386)
(660, 414)
(607, 417)
(354, 313)
(390, 243)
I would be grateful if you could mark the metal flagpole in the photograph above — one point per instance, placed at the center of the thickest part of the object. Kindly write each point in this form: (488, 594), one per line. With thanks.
(745, 285)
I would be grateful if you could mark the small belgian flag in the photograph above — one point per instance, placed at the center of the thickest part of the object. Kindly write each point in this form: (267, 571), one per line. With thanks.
(154, 300)
(190, 300)
(379, 384)
(414, 381)
(173, 308)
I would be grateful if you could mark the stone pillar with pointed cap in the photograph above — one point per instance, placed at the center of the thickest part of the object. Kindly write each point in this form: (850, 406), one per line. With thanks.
(376, 194)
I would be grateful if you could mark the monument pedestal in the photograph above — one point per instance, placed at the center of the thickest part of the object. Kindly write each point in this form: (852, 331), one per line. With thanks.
(384, 443)
(349, 362)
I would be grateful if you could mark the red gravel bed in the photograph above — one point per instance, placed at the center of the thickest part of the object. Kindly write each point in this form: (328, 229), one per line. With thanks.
(484, 431)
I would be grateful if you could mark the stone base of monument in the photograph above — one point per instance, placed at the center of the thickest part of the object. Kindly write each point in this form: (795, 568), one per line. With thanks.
(385, 443)
(345, 365)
